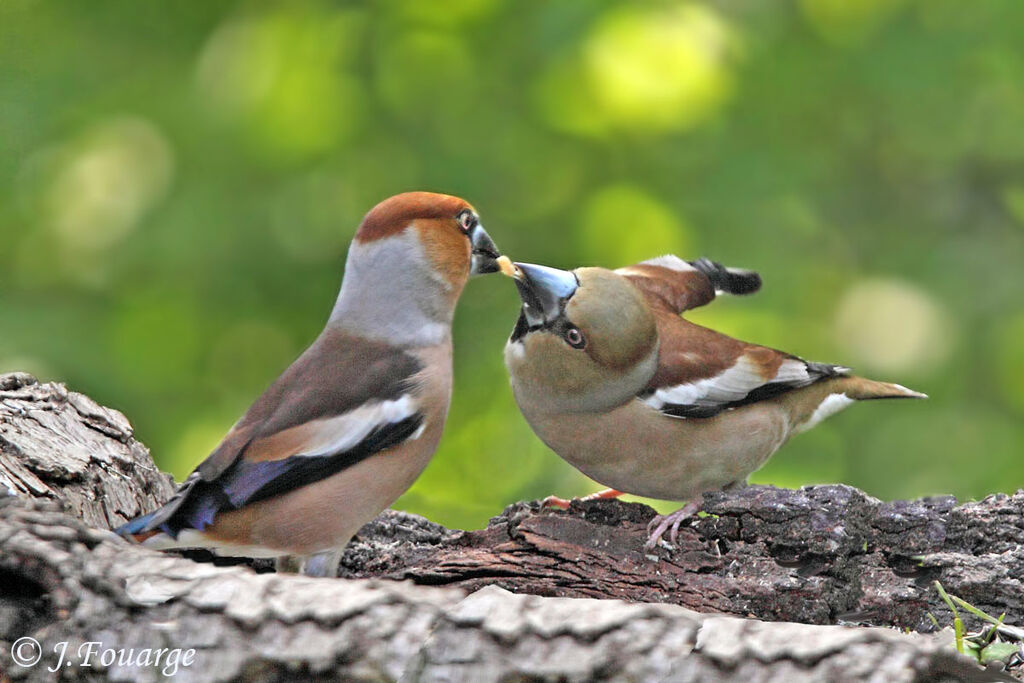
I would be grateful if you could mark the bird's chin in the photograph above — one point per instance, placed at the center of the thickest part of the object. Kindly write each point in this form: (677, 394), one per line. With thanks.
(521, 328)
(483, 263)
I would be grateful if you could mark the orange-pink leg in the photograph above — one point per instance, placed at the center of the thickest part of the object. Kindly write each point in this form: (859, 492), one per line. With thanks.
(556, 502)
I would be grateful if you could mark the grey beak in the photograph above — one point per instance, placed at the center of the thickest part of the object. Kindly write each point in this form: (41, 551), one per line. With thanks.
(485, 253)
(544, 292)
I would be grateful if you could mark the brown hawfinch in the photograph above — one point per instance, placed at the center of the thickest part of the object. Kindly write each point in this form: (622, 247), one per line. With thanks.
(351, 424)
(614, 380)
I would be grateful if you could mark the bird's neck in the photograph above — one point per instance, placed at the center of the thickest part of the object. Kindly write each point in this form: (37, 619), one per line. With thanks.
(391, 292)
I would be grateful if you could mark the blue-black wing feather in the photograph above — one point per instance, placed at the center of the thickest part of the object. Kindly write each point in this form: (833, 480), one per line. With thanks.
(198, 501)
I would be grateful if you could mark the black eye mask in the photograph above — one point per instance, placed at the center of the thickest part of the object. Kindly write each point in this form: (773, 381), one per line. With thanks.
(559, 327)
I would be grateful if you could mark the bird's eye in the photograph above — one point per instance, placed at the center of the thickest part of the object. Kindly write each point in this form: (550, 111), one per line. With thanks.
(575, 338)
(467, 221)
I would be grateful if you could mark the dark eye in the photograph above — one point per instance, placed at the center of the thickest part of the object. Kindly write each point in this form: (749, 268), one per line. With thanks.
(575, 338)
(467, 221)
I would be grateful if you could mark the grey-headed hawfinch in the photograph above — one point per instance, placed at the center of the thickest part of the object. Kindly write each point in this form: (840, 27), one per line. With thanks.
(613, 379)
(349, 426)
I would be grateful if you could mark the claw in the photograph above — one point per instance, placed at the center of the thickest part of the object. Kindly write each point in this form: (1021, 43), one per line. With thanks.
(670, 522)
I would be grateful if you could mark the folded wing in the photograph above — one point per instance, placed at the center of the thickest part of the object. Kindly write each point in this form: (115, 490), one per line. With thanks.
(702, 372)
(696, 385)
(344, 400)
(680, 285)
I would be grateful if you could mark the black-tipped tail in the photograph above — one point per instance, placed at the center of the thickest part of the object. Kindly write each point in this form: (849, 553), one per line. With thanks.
(729, 280)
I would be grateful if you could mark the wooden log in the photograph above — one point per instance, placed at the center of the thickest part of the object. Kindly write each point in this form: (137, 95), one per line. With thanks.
(538, 595)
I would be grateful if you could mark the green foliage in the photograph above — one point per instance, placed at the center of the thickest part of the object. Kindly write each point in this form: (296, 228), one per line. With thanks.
(178, 185)
(982, 645)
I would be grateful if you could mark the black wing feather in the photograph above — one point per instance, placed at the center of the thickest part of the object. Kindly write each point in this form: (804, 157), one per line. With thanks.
(198, 501)
(704, 409)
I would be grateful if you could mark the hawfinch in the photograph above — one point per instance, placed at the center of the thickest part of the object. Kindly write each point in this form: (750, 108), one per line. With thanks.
(614, 380)
(350, 425)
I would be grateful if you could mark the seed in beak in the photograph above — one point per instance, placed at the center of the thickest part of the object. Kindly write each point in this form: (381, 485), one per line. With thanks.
(508, 268)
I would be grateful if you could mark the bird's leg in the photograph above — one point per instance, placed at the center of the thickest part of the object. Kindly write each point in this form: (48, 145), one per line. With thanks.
(556, 502)
(323, 564)
(288, 564)
(662, 523)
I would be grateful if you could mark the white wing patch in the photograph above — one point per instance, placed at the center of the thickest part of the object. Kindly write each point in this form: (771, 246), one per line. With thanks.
(667, 261)
(339, 433)
(832, 404)
(792, 371)
(732, 384)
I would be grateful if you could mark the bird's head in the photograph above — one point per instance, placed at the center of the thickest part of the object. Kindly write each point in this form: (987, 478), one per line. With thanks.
(409, 261)
(585, 339)
(445, 229)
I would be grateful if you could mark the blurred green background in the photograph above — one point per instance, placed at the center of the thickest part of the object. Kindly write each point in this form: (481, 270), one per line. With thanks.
(179, 183)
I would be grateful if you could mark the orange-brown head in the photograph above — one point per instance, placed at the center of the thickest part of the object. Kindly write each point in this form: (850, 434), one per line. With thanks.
(448, 228)
(407, 265)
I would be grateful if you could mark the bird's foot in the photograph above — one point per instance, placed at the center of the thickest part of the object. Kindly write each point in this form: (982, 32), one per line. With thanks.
(563, 504)
(288, 564)
(323, 564)
(670, 522)
(555, 502)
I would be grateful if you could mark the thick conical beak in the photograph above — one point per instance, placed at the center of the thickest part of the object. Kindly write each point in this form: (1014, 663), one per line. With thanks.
(544, 291)
(485, 253)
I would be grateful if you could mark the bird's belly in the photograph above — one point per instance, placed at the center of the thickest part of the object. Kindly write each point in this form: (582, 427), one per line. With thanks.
(346, 501)
(638, 450)
(327, 513)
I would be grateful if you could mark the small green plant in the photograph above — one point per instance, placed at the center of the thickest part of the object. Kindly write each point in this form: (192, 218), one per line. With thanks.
(984, 645)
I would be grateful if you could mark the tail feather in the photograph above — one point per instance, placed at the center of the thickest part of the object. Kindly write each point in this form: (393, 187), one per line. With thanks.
(193, 506)
(144, 528)
(137, 526)
(867, 390)
(837, 391)
(151, 529)
(729, 280)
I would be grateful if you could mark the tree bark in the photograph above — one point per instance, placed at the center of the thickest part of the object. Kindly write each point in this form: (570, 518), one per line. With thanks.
(526, 598)
(61, 445)
(817, 555)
